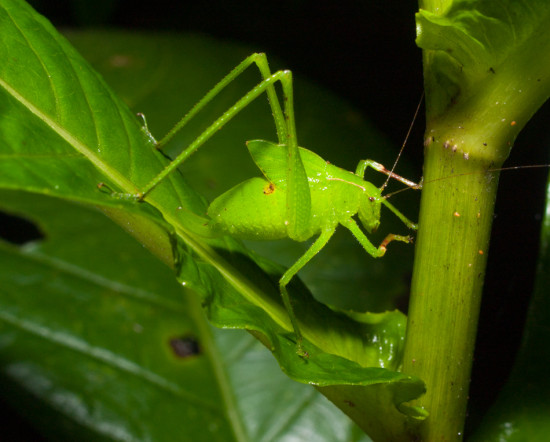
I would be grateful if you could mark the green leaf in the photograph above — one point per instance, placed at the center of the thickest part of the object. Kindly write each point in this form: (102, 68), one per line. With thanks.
(88, 329)
(482, 44)
(72, 132)
(88, 326)
(480, 35)
(272, 405)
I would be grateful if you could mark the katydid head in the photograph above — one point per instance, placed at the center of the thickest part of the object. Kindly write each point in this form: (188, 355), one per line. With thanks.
(369, 207)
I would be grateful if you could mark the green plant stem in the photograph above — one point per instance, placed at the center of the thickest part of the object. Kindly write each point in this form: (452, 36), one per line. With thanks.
(455, 219)
(472, 121)
(462, 145)
(523, 407)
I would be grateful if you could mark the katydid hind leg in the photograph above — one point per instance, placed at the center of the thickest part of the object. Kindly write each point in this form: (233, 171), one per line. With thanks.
(315, 248)
(260, 60)
(283, 122)
(298, 197)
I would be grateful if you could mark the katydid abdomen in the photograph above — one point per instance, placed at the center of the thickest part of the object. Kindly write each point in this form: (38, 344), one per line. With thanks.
(256, 208)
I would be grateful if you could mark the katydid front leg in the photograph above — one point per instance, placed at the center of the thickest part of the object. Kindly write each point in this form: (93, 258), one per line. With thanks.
(362, 167)
(361, 170)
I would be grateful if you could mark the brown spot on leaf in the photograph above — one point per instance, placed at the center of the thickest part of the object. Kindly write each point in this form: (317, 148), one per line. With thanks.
(185, 346)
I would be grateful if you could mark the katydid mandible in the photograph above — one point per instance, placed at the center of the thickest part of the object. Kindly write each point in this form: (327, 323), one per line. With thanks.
(300, 194)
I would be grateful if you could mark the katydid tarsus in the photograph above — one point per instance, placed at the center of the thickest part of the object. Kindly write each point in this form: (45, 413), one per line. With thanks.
(300, 194)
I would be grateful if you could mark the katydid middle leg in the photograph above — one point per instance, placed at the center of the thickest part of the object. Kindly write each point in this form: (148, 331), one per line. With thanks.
(375, 252)
(315, 248)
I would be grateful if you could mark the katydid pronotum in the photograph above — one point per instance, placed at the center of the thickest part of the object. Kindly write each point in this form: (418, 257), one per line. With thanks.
(300, 195)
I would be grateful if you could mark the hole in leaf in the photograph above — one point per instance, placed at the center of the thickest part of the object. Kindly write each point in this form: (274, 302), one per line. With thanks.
(17, 230)
(185, 346)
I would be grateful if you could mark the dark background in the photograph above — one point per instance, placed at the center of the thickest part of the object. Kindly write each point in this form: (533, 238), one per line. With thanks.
(365, 52)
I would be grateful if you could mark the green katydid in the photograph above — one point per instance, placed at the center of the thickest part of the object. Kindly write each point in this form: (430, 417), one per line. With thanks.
(300, 195)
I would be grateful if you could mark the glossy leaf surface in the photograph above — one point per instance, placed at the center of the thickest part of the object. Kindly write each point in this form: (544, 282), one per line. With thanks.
(98, 340)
